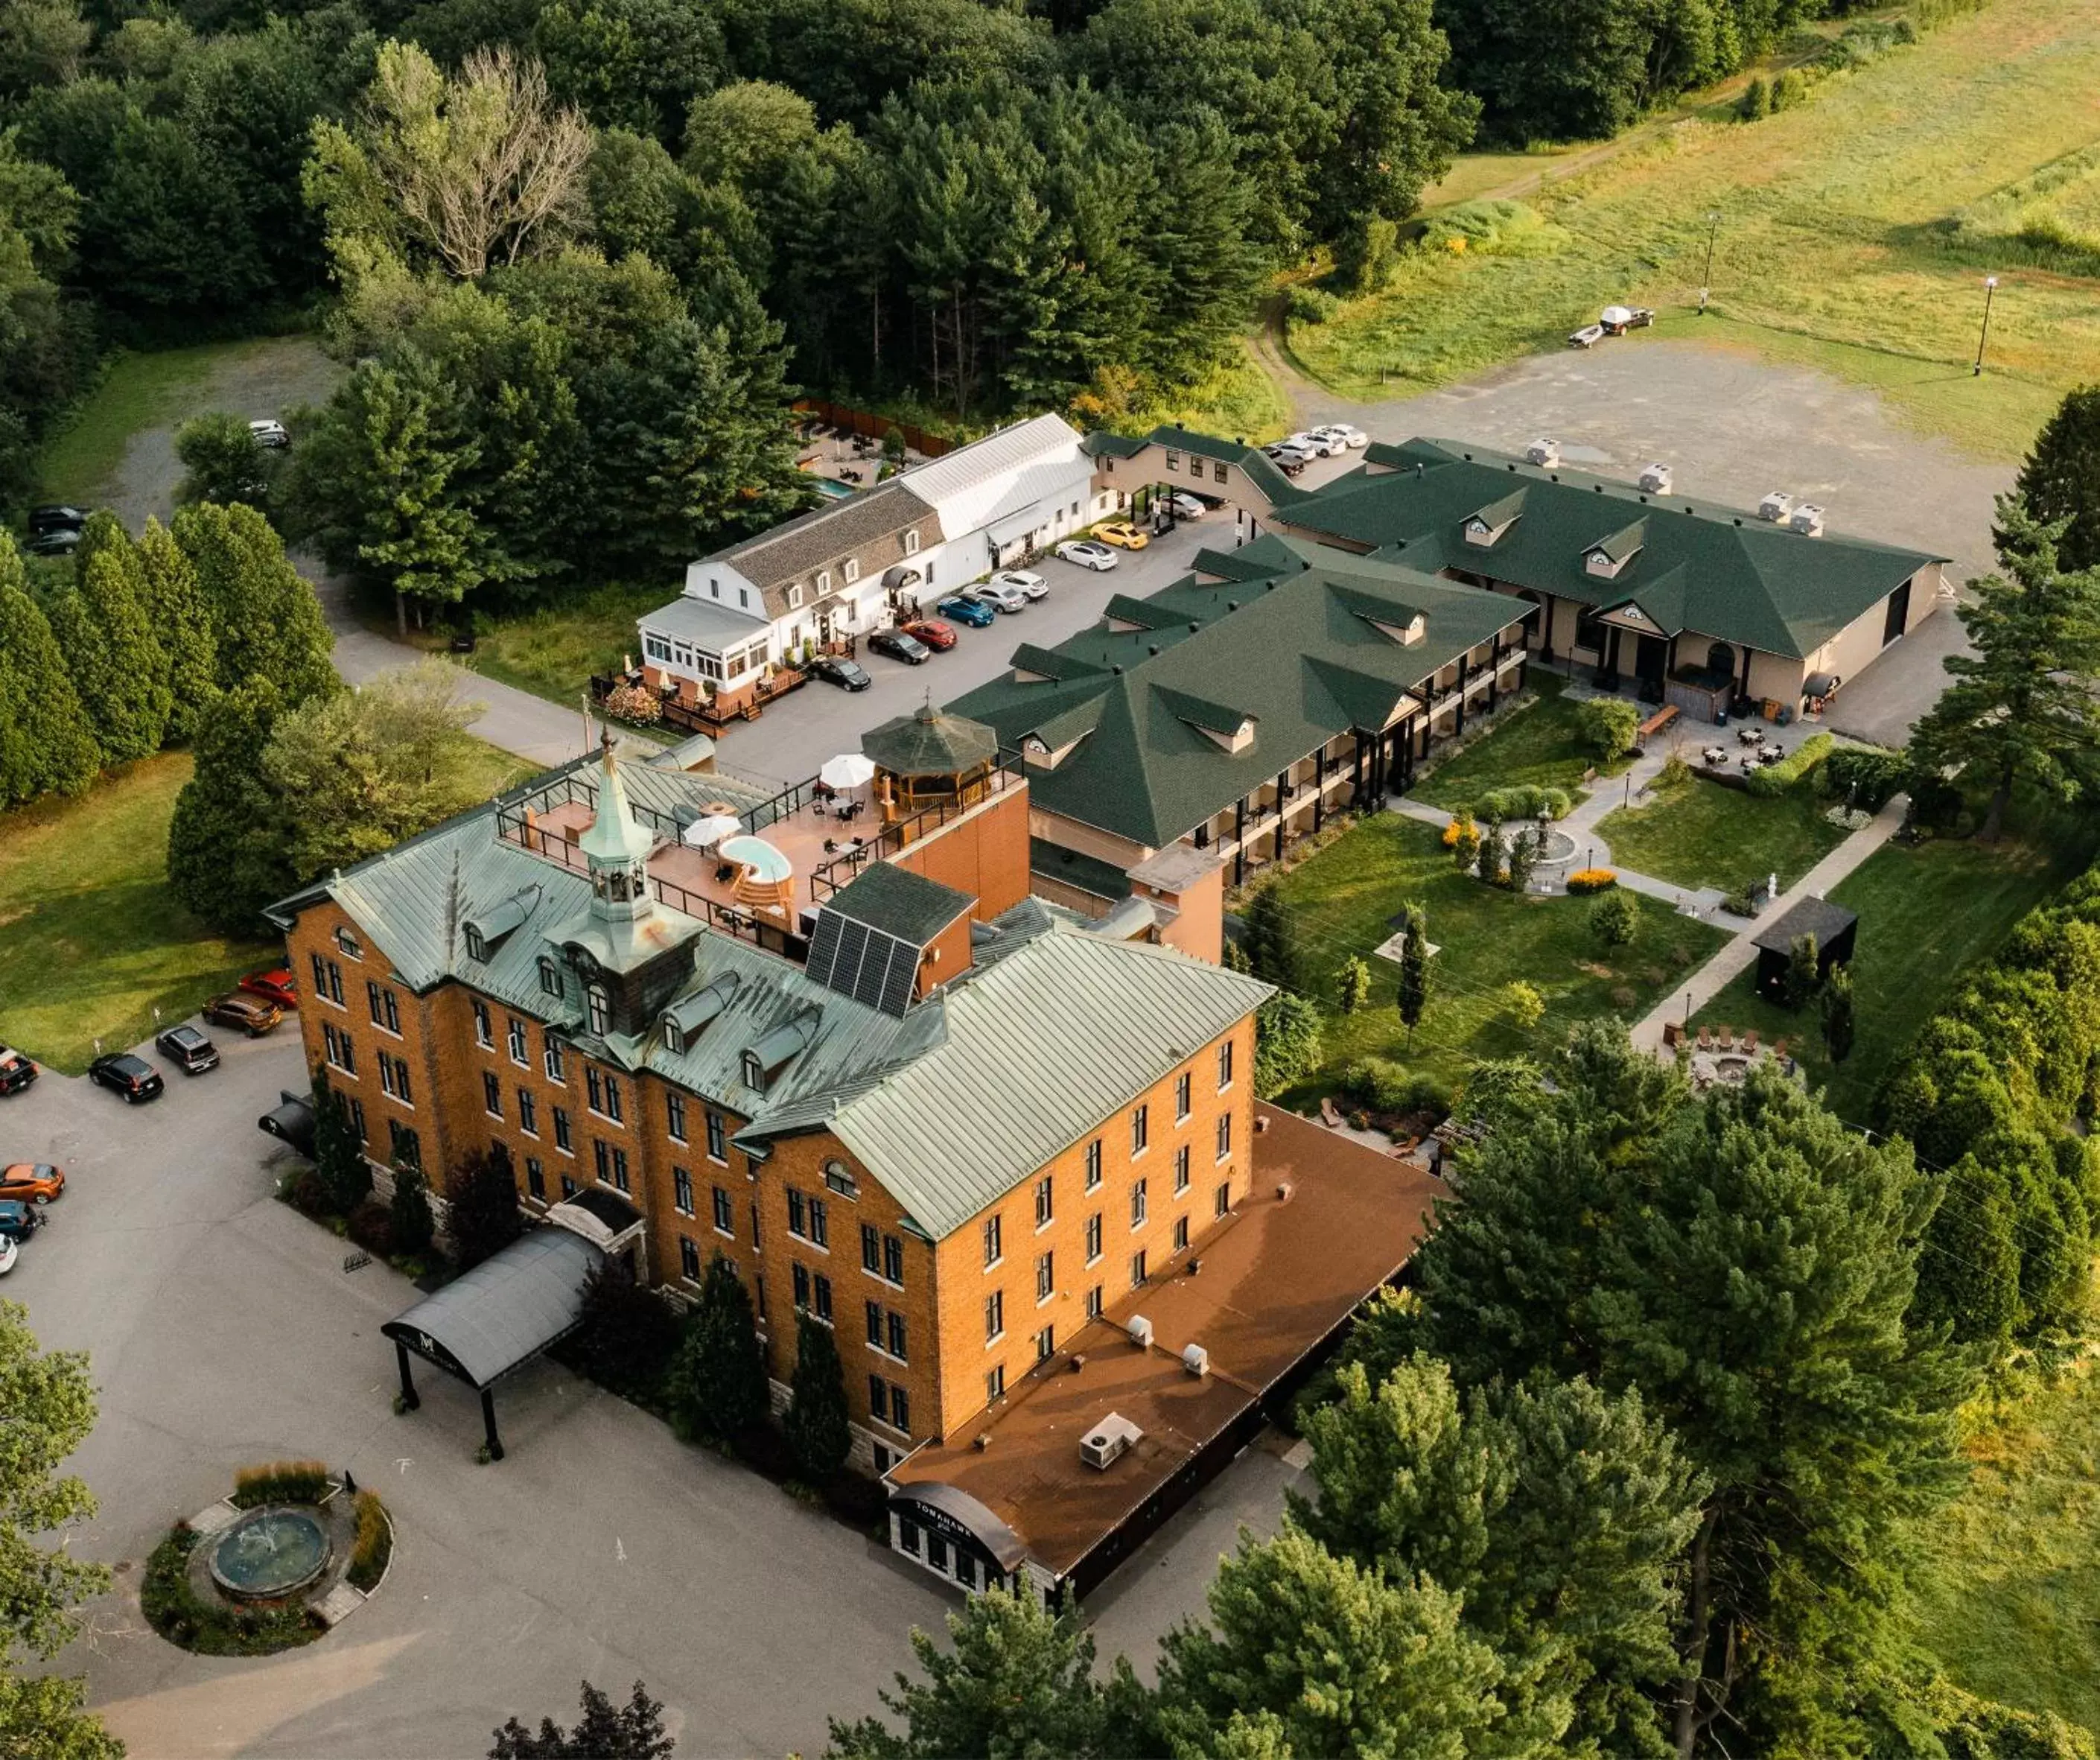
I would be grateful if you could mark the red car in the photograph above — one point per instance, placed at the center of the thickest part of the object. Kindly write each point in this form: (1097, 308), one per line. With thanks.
(932, 632)
(272, 986)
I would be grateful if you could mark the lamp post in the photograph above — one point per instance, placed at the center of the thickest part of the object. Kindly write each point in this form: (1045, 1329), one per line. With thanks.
(1983, 336)
(1706, 274)
(1687, 1011)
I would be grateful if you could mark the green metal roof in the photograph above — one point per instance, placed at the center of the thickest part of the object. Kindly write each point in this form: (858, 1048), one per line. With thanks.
(900, 903)
(1737, 578)
(928, 743)
(1294, 649)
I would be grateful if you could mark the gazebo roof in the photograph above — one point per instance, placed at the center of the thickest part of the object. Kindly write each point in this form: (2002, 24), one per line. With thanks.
(929, 742)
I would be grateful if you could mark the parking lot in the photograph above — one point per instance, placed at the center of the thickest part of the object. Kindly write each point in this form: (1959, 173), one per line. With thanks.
(223, 1329)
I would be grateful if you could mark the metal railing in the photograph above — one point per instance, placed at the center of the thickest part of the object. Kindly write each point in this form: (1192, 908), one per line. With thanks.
(899, 833)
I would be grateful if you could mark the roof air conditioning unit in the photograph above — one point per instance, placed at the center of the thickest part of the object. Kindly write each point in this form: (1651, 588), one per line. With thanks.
(1108, 1441)
(1806, 519)
(1140, 1331)
(1776, 506)
(1196, 1360)
(1656, 478)
(1546, 452)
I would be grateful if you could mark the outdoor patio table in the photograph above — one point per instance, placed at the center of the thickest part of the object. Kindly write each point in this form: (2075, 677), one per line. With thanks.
(1748, 736)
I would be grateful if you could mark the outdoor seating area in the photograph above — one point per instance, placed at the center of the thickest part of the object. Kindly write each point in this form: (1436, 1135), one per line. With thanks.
(1719, 1054)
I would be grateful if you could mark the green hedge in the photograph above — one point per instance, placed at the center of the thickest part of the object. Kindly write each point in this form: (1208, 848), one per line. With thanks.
(1866, 776)
(1523, 800)
(1386, 1087)
(214, 1628)
(1312, 305)
(1775, 780)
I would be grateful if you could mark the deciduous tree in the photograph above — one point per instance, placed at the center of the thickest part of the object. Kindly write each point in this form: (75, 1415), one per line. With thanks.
(221, 461)
(266, 621)
(118, 663)
(1270, 940)
(339, 1161)
(408, 1211)
(605, 1732)
(1287, 1037)
(181, 624)
(225, 841)
(481, 1206)
(45, 744)
(1615, 918)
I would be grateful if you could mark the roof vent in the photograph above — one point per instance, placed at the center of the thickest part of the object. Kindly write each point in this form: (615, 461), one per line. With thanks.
(1078, 1361)
(1656, 478)
(1108, 1441)
(1776, 506)
(1807, 519)
(1140, 1331)
(981, 1440)
(1283, 1191)
(1542, 452)
(1196, 1360)
(1195, 1265)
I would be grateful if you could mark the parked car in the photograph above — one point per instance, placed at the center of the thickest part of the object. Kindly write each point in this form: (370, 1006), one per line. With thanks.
(965, 610)
(17, 1071)
(1314, 441)
(1122, 534)
(251, 1014)
(274, 986)
(56, 518)
(1007, 599)
(1615, 321)
(1186, 506)
(137, 1080)
(18, 1222)
(899, 646)
(188, 1050)
(270, 434)
(1027, 585)
(1588, 337)
(32, 1182)
(1347, 438)
(932, 632)
(60, 540)
(9, 1253)
(1289, 460)
(1086, 554)
(848, 675)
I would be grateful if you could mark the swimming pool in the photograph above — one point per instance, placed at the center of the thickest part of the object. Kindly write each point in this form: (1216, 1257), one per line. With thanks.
(838, 492)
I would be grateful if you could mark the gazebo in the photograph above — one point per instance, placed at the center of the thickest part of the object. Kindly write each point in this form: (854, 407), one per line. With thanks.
(929, 758)
(1834, 928)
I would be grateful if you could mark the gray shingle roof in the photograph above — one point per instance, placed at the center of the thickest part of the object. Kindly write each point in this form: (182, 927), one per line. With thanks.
(899, 902)
(869, 526)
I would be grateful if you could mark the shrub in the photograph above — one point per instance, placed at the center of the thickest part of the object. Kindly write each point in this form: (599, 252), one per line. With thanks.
(481, 1206)
(373, 1545)
(1615, 919)
(1674, 773)
(215, 1628)
(1789, 89)
(1394, 1090)
(1525, 800)
(1607, 726)
(1525, 1006)
(414, 1227)
(1755, 104)
(1287, 1045)
(1494, 227)
(280, 1482)
(372, 1227)
(1773, 780)
(634, 703)
(1310, 305)
(1864, 776)
(1742, 902)
(628, 1335)
(1585, 881)
(1352, 984)
(1461, 837)
(302, 1189)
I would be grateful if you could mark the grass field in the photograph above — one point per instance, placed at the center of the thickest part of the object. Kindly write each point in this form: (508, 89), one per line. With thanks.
(2008, 1596)
(1838, 244)
(1344, 897)
(1537, 745)
(91, 938)
(1700, 834)
(1927, 911)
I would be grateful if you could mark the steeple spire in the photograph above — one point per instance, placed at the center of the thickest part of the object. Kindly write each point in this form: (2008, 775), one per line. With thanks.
(616, 846)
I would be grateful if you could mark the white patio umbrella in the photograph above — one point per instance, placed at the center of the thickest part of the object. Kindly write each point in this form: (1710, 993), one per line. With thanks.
(705, 834)
(848, 770)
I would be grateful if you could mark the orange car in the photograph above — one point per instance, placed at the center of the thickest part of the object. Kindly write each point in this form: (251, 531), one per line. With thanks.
(31, 1182)
(1122, 534)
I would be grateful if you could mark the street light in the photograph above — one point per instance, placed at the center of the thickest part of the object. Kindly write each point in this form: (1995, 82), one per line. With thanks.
(1687, 1011)
(1990, 286)
(1706, 275)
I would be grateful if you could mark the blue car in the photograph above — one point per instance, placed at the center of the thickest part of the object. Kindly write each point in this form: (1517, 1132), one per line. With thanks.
(974, 612)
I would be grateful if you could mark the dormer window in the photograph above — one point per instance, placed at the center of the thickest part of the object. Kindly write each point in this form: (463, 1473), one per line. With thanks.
(851, 568)
(794, 597)
(674, 1036)
(823, 581)
(754, 1072)
(551, 975)
(1610, 557)
(911, 544)
(597, 1007)
(477, 949)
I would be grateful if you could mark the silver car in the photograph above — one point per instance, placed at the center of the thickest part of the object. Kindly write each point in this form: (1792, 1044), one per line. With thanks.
(1027, 585)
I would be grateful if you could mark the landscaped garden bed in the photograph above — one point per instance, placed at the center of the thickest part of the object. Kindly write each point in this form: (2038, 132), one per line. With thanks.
(1695, 833)
(1537, 742)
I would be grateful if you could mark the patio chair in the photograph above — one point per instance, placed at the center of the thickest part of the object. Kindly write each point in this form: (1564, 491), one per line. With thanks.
(1705, 1038)
(1779, 1049)
(1727, 1038)
(1750, 1042)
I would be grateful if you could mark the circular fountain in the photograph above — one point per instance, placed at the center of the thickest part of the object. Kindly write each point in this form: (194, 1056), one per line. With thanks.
(271, 1553)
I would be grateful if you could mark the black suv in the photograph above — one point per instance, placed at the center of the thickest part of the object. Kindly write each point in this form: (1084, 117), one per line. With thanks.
(17, 1071)
(188, 1050)
(134, 1078)
(53, 519)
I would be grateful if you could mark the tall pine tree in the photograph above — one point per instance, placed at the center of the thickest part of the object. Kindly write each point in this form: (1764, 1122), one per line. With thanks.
(175, 605)
(2061, 479)
(717, 1381)
(226, 842)
(45, 746)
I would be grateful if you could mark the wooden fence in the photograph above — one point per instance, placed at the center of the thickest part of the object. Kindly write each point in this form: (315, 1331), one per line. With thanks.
(873, 427)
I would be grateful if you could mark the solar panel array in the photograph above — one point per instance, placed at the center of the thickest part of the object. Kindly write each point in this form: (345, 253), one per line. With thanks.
(862, 962)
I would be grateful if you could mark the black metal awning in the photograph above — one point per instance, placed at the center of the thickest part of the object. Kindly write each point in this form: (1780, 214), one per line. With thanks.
(292, 1119)
(505, 1311)
(951, 1511)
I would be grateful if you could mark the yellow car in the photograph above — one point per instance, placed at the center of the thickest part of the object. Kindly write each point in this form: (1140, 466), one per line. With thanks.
(1123, 534)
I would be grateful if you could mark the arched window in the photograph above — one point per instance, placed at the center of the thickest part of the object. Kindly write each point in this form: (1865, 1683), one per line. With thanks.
(599, 1006)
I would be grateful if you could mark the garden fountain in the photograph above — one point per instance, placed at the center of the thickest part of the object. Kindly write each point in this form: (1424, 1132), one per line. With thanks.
(270, 1553)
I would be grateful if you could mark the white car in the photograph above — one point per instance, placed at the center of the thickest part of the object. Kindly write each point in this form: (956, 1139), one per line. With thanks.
(1316, 444)
(1027, 585)
(1185, 505)
(1349, 439)
(270, 434)
(1087, 554)
(1001, 598)
(8, 1250)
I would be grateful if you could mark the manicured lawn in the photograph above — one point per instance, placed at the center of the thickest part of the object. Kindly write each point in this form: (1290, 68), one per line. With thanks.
(1700, 834)
(1343, 898)
(1538, 744)
(1842, 239)
(2008, 1597)
(91, 938)
(1926, 913)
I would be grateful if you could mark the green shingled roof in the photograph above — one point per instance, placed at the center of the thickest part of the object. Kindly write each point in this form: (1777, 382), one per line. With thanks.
(900, 903)
(1293, 648)
(1720, 571)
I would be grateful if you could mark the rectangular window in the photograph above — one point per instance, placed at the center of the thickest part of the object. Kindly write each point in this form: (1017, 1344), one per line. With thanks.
(797, 1224)
(689, 1258)
(995, 1316)
(484, 1034)
(871, 1248)
(407, 1146)
(681, 1190)
(372, 1002)
(725, 1213)
(1180, 1170)
(878, 1402)
(1046, 1277)
(1173, 460)
(1093, 1237)
(568, 1187)
(1180, 1234)
(1093, 1164)
(615, 1108)
(1181, 1085)
(1094, 1303)
(517, 1037)
(357, 1119)
(550, 1059)
(893, 1259)
(802, 1286)
(536, 1178)
(820, 1226)
(822, 1301)
(602, 1157)
(320, 974)
(492, 1095)
(874, 1324)
(993, 1253)
(1224, 1136)
(528, 1113)
(674, 1110)
(1225, 1066)
(900, 1409)
(715, 1137)
(1044, 1210)
(335, 983)
(1218, 471)
(995, 1383)
(562, 1130)
(1141, 1127)
(896, 1336)
(1137, 1205)
(1137, 1269)
(1046, 1344)
(1223, 1200)
(550, 976)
